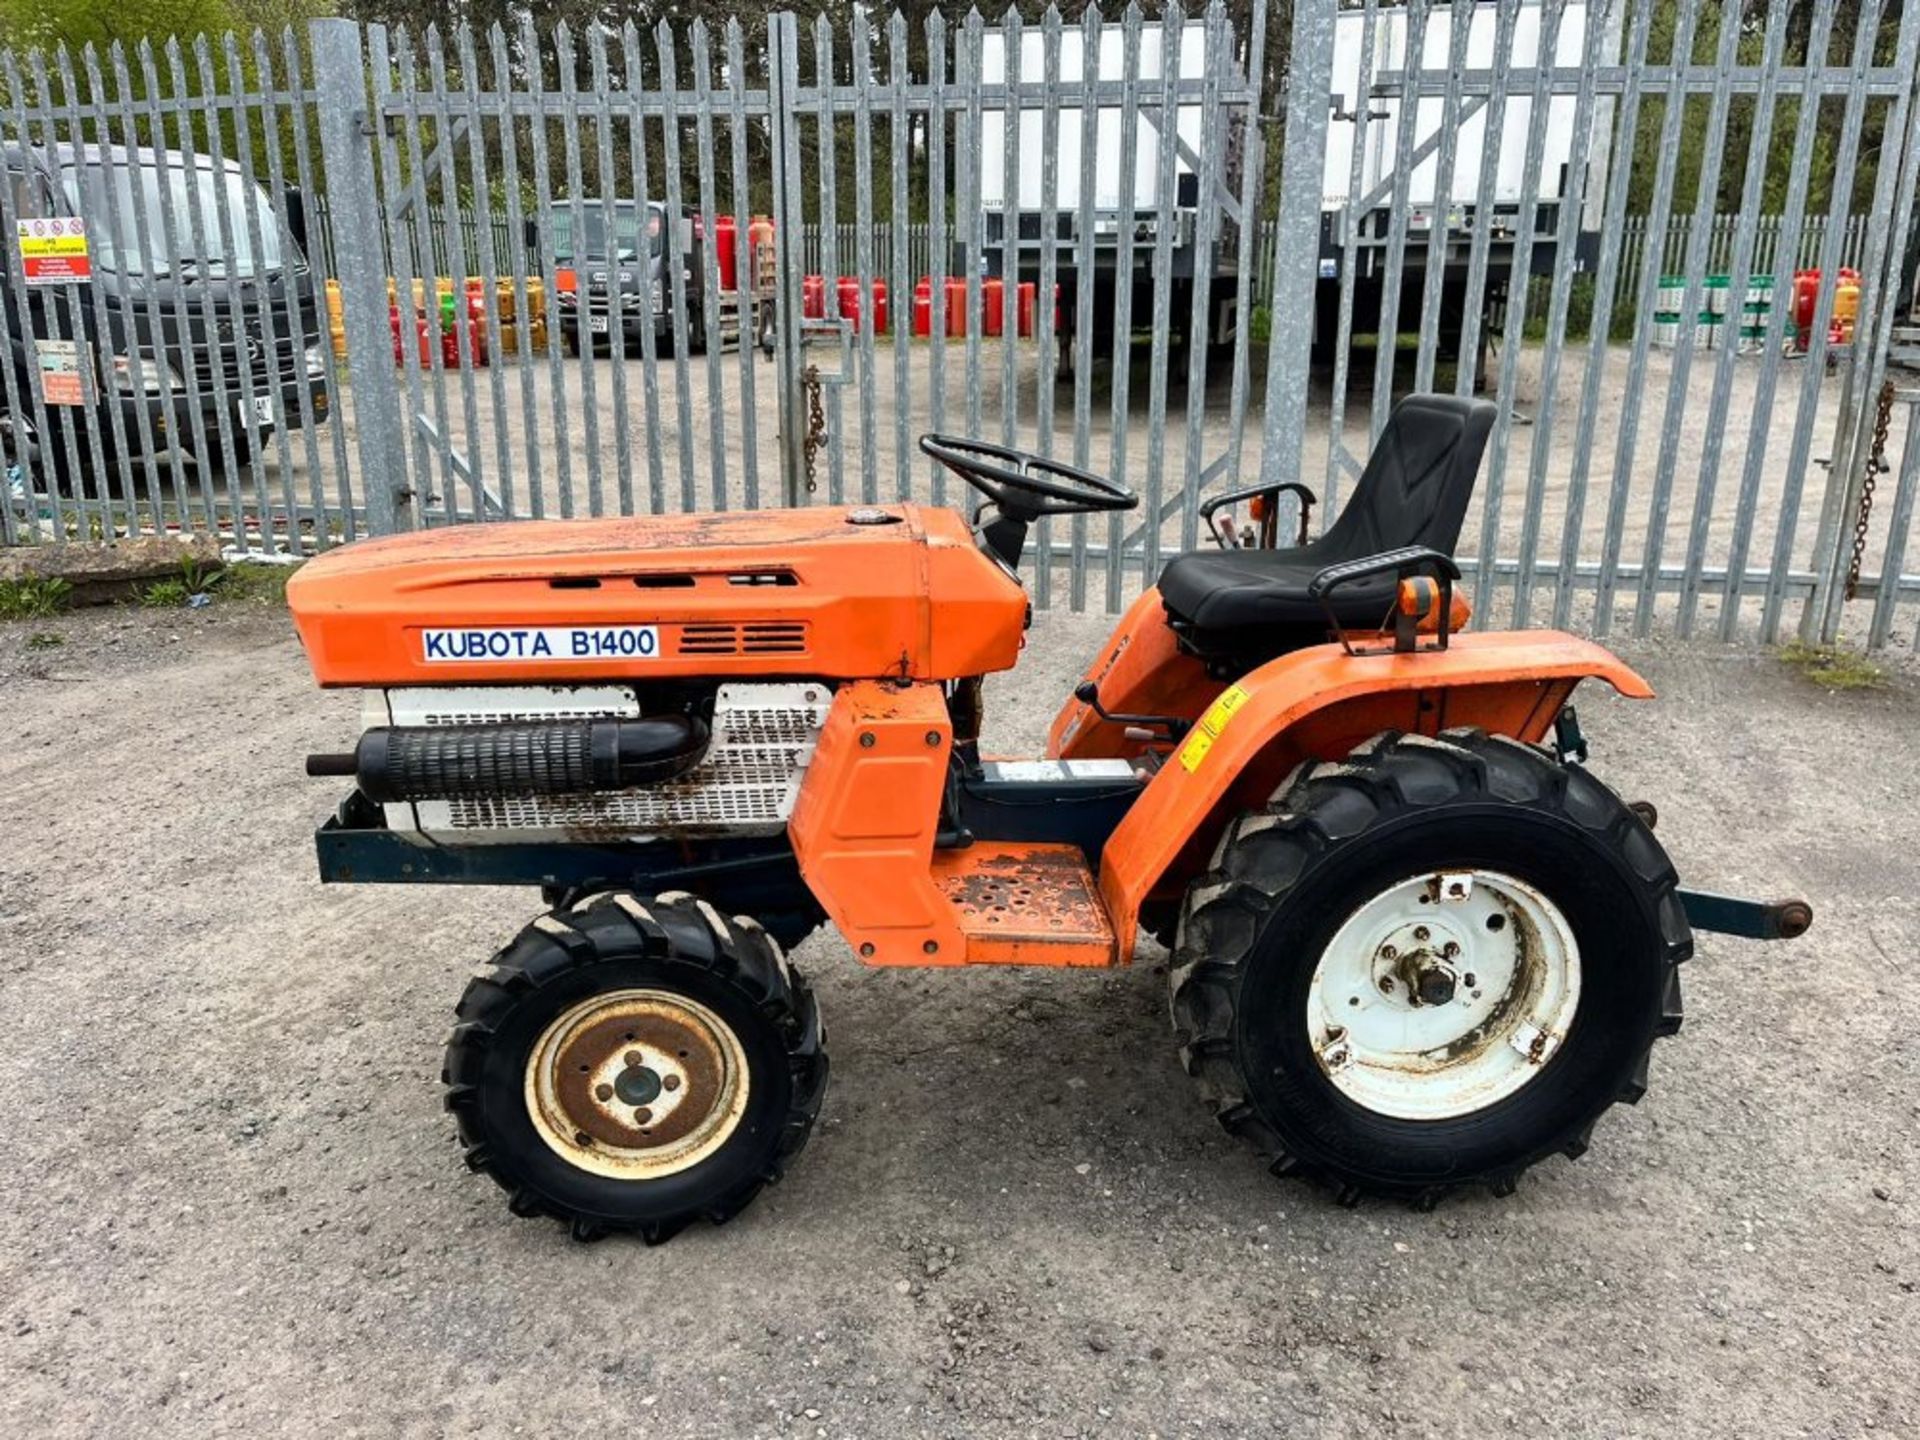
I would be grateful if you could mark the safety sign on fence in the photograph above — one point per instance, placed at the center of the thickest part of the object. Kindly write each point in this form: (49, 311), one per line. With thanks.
(54, 252)
(61, 382)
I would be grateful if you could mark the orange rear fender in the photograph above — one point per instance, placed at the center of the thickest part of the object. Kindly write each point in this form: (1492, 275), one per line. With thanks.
(1320, 704)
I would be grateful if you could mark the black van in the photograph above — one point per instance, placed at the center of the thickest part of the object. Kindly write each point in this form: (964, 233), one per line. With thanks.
(168, 329)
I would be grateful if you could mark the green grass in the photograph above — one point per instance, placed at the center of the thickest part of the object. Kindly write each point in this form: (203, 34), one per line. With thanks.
(256, 584)
(165, 594)
(1834, 667)
(240, 583)
(34, 598)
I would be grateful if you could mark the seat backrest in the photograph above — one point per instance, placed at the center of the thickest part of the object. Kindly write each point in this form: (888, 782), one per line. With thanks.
(1418, 480)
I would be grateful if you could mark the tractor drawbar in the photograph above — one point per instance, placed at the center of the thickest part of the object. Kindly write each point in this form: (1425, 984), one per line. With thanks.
(569, 757)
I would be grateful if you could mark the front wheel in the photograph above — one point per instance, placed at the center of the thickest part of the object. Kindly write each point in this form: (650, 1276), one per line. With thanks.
(1432, 964)
(636, 1064)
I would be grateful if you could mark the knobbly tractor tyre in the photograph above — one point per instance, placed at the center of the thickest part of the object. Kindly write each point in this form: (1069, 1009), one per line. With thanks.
(635, 1064)
(1432, 964)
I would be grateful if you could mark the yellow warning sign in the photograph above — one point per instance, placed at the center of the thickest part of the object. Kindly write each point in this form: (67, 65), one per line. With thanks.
(54, 252)
(1211, 724)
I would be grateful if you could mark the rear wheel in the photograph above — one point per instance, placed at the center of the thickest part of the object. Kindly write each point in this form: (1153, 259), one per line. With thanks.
(636, 1064)
(1432, 964)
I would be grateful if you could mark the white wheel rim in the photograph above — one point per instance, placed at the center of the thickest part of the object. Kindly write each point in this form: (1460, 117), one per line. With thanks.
(636, 1084)
(1444, 994)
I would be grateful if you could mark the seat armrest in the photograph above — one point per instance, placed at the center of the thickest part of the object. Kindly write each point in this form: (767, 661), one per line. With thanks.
(1402, 563)
(1270, 493)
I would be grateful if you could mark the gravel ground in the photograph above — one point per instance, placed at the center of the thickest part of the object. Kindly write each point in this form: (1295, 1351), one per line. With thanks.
(234, 1206)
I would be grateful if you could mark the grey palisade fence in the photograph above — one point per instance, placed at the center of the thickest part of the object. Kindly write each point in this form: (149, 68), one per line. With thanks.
(1139, 252)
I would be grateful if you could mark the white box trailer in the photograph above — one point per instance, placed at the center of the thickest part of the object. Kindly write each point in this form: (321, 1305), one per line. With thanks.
(1360, 212)
(1391, 38)
(1110, 188)
(1119, 199)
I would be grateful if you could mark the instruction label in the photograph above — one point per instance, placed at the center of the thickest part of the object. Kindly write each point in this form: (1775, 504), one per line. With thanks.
(1211, 724)
(54, 252)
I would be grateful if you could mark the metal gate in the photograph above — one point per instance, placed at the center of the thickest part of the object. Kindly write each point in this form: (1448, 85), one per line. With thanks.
(828, 134)
(1545, 201)
(1679, 451)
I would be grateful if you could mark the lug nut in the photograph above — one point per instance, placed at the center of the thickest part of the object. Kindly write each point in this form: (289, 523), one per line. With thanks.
(1419, 932)
(1388, 952)
(672, 1082)
(603, 1092)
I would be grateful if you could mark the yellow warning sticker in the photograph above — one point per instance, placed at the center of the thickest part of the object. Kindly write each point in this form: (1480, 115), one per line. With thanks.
(1211, 724)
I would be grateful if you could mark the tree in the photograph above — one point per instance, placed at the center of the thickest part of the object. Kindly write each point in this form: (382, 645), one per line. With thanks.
(43, 24)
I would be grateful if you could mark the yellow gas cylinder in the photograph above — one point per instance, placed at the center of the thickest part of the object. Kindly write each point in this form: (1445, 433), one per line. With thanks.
(336, 320)
(536, 315)
(1846, 304)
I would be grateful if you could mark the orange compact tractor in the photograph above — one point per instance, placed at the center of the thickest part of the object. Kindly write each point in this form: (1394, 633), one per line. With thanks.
(1416, 942)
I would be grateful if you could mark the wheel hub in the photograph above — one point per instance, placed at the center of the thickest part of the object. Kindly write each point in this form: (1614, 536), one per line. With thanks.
(1443, 994)
(636, 1084)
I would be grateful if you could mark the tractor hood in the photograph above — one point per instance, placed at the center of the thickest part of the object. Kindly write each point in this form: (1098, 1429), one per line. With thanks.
(896, 591)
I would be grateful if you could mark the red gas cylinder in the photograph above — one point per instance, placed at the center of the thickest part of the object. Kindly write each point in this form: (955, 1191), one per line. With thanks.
(956, 307)
(813, 296)
(879, 307)
(759, 232)
(993, 300)
(1026, 301)
(1806, 295)
(477, 328)
(923, 308)
(725, 234)
(850, 301)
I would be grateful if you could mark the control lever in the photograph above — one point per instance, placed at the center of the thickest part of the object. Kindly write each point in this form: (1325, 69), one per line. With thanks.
(1154, 726)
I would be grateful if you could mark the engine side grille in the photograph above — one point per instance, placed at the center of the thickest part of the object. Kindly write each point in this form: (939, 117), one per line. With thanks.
(763, 740)
(757, 637)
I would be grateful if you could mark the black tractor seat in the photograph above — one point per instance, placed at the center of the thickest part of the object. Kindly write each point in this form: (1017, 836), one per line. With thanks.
(1237, 608)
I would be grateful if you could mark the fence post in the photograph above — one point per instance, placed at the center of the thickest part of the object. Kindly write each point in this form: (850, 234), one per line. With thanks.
(1880, 267)
(790, 246)
(347, 128)
(1296, 250)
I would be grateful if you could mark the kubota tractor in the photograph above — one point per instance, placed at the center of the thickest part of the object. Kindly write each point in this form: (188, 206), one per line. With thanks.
(1416, 942)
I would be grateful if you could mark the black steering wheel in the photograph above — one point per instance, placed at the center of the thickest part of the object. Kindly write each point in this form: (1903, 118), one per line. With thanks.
(1024, 486)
